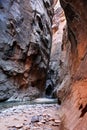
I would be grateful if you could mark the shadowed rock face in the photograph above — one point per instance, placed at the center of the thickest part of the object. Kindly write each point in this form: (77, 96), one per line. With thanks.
(25, 43)
(75, 107)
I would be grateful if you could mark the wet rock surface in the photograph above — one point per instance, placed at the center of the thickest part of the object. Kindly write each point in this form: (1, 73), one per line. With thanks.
(30, 117)
(25, 43)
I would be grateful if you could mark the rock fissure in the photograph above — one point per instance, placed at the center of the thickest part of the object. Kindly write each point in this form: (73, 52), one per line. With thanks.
(83, 111)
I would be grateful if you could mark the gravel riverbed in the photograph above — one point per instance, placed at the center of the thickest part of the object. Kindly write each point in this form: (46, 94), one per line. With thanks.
(30, 117)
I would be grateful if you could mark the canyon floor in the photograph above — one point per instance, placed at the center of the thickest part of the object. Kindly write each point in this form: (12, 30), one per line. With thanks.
(30, 117)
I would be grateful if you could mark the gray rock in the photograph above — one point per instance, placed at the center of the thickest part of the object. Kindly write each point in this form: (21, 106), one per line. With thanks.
(25, 43)
(35, 119)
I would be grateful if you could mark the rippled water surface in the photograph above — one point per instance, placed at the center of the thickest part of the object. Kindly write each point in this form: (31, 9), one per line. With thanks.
(5, 105)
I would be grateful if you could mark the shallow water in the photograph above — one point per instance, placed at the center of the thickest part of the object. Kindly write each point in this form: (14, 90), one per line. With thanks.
(10, 104)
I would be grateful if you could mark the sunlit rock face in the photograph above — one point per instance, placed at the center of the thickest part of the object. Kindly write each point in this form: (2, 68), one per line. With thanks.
(74, 110)
(25, 43)
(58, 74)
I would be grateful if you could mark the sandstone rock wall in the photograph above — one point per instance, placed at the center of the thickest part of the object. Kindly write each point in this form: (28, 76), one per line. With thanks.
(58, 74)
(74, 109)
(25, 43)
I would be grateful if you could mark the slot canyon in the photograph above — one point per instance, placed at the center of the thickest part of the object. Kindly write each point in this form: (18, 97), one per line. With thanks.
(43, 65)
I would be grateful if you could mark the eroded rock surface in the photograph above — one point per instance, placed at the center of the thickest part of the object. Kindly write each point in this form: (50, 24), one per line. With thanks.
(25, 43)
(58, 74)
(74, 109)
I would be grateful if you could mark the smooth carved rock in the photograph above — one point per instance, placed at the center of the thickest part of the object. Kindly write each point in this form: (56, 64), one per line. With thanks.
(25, 43)
(74, 110)
(58, 66)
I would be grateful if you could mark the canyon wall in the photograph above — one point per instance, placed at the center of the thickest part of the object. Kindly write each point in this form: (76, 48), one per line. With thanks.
(25, 44)
(74, 108)
(58, 73)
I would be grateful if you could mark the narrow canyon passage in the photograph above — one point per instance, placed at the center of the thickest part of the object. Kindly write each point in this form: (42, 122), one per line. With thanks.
(43, 53)
(42, 115)
(58, 61)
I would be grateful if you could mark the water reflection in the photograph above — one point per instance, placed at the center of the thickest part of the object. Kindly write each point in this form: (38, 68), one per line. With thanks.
(10, 104)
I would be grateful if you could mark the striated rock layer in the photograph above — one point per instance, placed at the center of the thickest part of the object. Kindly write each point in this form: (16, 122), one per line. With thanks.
(25, 43)
(74, 109)
(58, 70)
